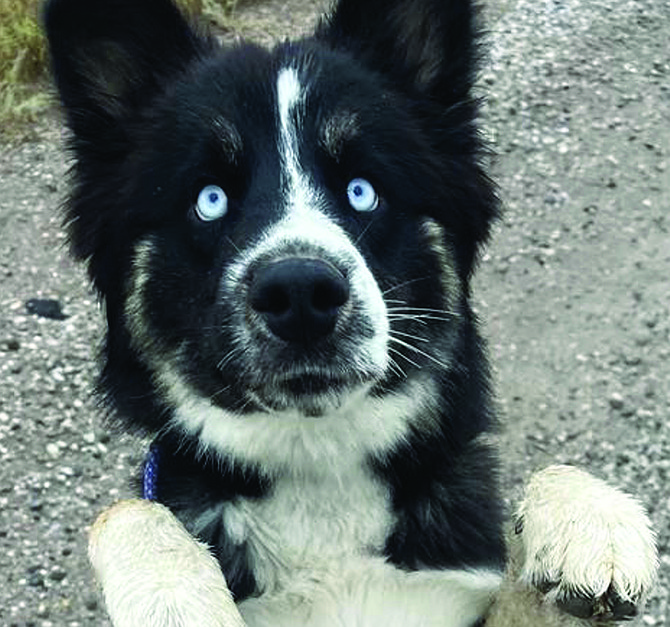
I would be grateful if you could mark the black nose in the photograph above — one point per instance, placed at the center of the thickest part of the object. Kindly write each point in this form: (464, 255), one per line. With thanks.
(299, 298)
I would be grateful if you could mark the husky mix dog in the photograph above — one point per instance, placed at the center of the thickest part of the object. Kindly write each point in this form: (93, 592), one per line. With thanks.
(283, 241)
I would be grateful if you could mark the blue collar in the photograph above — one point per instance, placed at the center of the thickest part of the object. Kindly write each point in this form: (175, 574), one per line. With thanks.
(150, 475)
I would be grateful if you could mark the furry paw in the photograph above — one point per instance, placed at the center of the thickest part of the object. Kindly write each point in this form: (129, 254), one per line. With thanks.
(154, 574)
(587, 546)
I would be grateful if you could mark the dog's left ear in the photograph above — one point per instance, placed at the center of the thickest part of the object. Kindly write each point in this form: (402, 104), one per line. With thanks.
(427, 50)
(426, 46)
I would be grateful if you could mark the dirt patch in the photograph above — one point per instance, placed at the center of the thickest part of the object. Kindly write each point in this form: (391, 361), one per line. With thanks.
(573, 292)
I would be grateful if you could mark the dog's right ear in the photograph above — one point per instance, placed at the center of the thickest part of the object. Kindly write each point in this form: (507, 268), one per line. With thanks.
(111, 57)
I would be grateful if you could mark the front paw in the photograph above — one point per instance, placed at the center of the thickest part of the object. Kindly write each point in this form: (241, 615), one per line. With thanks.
(153, 573)
(588, 546)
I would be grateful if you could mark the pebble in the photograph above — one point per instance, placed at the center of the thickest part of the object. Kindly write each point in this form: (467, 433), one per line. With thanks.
(57, 574)
(35, 580)
(91, 603)
(616, 401)
(11, 344)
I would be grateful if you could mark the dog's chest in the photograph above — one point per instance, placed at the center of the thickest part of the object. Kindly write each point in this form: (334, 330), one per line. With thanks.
(307, 523)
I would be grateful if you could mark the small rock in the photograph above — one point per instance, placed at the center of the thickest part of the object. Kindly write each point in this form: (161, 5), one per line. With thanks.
(650, 388)
(91, 603)
(11, 344)
(616, 401)
(57, 574)
(42, 611)
(35, 579)
(632, 359)
(643, 338)
(45, 308)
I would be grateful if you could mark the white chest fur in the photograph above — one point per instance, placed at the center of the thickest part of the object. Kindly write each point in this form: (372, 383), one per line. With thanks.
(316, 550)
(307, 522)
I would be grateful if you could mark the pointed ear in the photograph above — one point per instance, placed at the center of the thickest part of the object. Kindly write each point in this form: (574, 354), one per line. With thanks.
(426, 46)
(109, 57)
(428, 50)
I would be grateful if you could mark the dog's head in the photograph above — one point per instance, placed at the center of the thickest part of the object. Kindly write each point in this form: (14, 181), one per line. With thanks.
(274, 233)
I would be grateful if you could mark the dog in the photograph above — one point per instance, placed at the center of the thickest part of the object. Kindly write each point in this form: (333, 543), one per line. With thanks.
(284, 241)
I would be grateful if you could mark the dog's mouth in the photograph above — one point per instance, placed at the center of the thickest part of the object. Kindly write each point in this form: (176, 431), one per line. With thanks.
(312, 394)
(313, 385)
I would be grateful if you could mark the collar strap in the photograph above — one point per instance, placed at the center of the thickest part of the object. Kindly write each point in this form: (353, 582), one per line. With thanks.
(150, 475)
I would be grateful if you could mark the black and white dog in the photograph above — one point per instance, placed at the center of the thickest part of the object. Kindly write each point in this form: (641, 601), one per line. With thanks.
(284, 242)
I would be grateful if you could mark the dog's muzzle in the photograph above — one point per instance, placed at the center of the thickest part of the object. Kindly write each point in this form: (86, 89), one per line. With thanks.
(300, 299)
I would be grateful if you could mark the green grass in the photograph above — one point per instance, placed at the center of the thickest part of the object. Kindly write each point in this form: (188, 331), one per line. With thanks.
(23, 56)
(218, 11)
(22, 51)
(22, 63)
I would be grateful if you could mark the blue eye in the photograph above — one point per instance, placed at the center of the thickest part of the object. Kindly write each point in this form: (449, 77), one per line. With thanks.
(212, 203)
(362, 196)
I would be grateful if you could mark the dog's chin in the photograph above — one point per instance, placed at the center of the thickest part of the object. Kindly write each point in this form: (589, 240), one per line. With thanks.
(310, 395)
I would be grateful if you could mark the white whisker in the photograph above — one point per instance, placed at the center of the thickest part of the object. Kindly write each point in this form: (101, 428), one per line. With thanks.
(404, 284)
(233, 244)
(393, 365)
(421, 319)
(410, 336)
(412, 318)
(223, 390)
(405, 357)
(363, 232)
(408, 309)
(418, 351)
(229, 356)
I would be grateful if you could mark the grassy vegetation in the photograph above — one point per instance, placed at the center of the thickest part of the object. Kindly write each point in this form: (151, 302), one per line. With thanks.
(216, 11)
(23, 57)
(22, 62)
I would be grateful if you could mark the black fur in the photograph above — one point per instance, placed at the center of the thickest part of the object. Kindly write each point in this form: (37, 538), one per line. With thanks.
(445, 487)
(143, 94)
(189, 485)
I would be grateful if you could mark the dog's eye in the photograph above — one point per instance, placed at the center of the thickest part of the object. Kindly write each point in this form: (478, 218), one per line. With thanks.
(212, 203)
(362, 196)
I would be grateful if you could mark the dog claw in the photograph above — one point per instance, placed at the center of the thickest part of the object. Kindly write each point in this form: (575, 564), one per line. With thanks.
(577, 606)
(622, 609)
(610, 606)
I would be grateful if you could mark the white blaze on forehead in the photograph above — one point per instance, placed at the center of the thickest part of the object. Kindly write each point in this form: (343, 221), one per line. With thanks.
(289, 95)
(299, 193)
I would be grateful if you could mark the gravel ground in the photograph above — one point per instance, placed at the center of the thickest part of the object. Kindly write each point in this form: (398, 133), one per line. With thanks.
(573, 293)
